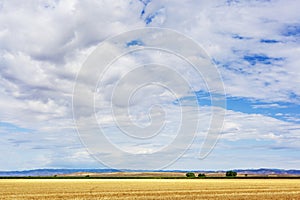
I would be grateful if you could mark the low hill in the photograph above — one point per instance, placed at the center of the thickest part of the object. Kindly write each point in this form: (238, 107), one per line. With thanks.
(142, 173)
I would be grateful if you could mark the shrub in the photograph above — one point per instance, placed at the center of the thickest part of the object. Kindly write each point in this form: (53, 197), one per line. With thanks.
(201, 175)
(190, 175)
(231, 173)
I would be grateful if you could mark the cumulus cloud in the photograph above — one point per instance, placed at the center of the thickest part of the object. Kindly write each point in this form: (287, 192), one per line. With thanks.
(253, 51)
(43, 45)
(254, 44)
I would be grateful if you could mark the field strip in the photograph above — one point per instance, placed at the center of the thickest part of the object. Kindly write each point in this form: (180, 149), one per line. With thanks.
(149, 189)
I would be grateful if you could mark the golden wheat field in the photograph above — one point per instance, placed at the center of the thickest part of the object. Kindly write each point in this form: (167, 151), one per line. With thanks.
(149, 189)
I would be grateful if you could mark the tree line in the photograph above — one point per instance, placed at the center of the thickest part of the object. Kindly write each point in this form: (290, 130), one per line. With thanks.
(202, 175)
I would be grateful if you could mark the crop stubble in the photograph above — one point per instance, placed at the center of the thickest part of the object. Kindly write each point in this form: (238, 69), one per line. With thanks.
(149, 189)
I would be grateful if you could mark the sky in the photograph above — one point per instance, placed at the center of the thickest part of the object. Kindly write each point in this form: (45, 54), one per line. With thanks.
(46, 46)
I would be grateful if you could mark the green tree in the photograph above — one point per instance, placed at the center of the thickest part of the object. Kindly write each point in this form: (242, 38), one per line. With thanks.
(201, 175)
(231, 173)
(190, 175)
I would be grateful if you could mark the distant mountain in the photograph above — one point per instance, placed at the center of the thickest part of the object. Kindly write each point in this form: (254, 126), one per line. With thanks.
(264, 171)
(52, 172)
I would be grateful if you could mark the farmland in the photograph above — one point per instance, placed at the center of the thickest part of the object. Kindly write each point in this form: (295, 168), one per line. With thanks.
(149, 189)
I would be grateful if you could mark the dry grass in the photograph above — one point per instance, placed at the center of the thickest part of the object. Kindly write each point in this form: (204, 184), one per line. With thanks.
(128, 174)
(149, 189)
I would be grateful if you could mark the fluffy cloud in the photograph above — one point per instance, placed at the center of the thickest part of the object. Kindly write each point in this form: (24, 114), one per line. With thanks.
(255, 45)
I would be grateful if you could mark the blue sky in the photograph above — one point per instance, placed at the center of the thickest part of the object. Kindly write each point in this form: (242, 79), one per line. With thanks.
(254, 44)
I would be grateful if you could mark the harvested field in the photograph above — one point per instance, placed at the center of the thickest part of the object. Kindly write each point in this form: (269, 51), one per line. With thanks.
(127, 174)
(149, 189)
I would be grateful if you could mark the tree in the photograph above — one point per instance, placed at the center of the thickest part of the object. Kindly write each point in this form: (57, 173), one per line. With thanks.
(231, 173)
(190, 175)
(201, 175)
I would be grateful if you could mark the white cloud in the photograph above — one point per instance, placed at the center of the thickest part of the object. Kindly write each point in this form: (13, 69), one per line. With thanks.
(44, 44)
(240, 126)
(272, 105)
(231, 31)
